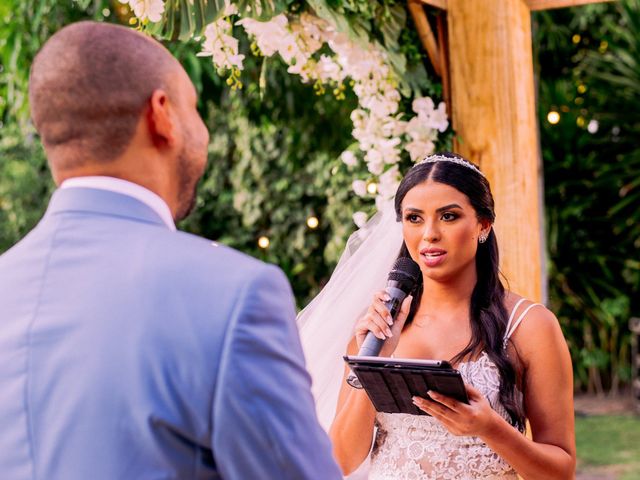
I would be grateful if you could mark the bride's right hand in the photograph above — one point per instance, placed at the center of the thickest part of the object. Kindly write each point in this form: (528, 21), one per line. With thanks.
(378, 320)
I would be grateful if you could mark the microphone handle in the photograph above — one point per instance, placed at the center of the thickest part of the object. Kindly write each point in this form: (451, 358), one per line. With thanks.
(372, 345)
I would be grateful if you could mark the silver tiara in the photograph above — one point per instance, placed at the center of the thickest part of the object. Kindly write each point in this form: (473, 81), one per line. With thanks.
(442, 158)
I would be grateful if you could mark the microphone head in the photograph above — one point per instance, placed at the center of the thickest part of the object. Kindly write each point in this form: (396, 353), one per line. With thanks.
(405, 270)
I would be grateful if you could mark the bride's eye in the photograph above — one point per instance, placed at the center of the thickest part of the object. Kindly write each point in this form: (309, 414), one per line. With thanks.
(449, 217)
(412, 218)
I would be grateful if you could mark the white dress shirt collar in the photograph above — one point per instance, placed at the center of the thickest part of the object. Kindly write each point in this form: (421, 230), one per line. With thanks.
(125, 187)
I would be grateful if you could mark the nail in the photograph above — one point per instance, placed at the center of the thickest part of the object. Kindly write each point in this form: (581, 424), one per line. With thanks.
(388, 332)
(389, 320)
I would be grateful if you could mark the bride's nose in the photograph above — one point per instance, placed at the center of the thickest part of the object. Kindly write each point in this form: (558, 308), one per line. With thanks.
(431, 233)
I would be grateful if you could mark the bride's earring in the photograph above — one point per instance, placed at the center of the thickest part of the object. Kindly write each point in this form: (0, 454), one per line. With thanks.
(483, 237)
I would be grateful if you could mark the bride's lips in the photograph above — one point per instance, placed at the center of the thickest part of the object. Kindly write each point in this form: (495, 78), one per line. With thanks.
(432, 257)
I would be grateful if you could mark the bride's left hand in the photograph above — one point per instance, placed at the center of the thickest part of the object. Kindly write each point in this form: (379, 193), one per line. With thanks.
(475, 419)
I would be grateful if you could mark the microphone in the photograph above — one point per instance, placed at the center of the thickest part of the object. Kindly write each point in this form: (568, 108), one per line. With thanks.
(401, 281)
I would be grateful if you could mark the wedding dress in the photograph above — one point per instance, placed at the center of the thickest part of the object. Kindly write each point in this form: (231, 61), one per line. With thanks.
(418, 447)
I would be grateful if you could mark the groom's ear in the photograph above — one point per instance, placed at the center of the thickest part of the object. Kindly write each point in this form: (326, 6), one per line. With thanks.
(160, 120)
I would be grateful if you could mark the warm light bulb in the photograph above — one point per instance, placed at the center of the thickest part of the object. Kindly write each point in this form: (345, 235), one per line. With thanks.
(580, 121)
(553, 117)
(313, 222)
(582, 88)
(372, 188)
(263, 242)
(576, 38)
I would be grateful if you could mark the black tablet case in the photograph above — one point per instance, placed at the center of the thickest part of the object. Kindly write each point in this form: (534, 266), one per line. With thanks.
(392, 382)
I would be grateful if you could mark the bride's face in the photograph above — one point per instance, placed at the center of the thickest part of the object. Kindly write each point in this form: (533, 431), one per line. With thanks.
(441, 229)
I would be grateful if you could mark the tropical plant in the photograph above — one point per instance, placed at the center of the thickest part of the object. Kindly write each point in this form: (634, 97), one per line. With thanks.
(589, 76)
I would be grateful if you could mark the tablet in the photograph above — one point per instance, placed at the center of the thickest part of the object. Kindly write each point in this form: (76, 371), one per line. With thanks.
(392, 382)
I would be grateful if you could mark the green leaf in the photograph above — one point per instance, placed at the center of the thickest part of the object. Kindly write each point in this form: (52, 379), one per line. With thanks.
(187, 22)
(357, 29)
(262, 10)
(392, 25)
(199, 15)
(213, 9)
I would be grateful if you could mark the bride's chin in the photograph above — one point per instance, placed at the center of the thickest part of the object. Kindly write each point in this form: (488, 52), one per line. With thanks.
(443, 273)
(439, 275)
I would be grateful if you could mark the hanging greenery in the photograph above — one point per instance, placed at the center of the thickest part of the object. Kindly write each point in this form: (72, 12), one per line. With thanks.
(331, 45)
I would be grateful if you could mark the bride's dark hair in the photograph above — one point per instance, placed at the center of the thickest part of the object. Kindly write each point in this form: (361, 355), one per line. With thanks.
(488, 314)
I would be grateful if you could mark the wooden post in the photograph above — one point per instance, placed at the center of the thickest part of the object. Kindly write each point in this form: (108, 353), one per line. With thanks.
(494, 117)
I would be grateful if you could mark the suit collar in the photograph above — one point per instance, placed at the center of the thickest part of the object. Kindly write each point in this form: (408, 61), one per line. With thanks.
(102, 202)
(125, 187)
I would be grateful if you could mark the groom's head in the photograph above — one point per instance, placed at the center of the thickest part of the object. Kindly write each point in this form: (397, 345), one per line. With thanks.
(108, 100)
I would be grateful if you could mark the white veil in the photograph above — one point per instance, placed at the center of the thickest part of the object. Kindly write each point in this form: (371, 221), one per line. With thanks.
(326, 324)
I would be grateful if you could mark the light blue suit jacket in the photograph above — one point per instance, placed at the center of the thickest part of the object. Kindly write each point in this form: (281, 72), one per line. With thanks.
(129, 351)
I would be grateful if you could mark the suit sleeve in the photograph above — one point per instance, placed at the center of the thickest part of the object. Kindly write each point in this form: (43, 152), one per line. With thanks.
(264, 418)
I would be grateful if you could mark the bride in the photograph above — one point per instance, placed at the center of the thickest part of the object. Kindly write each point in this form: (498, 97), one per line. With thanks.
(510, 352)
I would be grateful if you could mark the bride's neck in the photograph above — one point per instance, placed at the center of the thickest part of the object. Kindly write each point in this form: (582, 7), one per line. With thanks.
(447, 296)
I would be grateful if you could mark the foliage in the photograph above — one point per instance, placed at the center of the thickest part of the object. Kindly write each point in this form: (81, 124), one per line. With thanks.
(273, 163)
(591, 181)
(331, 45)
(25, 183)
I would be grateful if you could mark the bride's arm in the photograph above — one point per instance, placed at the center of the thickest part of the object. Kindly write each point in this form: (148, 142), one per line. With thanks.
(352, 429)
(548, 401)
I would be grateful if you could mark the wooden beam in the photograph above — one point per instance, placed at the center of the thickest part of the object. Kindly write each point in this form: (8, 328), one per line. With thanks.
(549, 4)
(441, 27)
(494, 117)
(426, 34)
(441, 4)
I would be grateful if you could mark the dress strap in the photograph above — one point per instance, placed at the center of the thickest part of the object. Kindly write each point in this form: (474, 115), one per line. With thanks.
(512, 327)
(513, 313)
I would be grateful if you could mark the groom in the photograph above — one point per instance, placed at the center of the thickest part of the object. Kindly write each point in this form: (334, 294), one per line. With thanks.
(129, 350)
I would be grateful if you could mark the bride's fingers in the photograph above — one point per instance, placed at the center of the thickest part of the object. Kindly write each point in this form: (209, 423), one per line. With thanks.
(448, 402)
(372, 322)
(380, 308)
(382, 324)
(432, 408)
(403, 313)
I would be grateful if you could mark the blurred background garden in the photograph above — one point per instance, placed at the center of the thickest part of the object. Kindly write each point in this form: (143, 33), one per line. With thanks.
(286, 172)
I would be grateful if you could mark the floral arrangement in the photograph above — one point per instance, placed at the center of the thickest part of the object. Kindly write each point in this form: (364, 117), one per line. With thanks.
(381, 129)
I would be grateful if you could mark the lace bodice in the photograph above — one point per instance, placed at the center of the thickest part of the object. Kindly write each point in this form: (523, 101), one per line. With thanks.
(418, 447)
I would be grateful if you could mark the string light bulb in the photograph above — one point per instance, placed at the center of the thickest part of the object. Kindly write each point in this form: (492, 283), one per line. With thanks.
(553, 117)
(313, 222)
(372, 188)
(263, 242)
